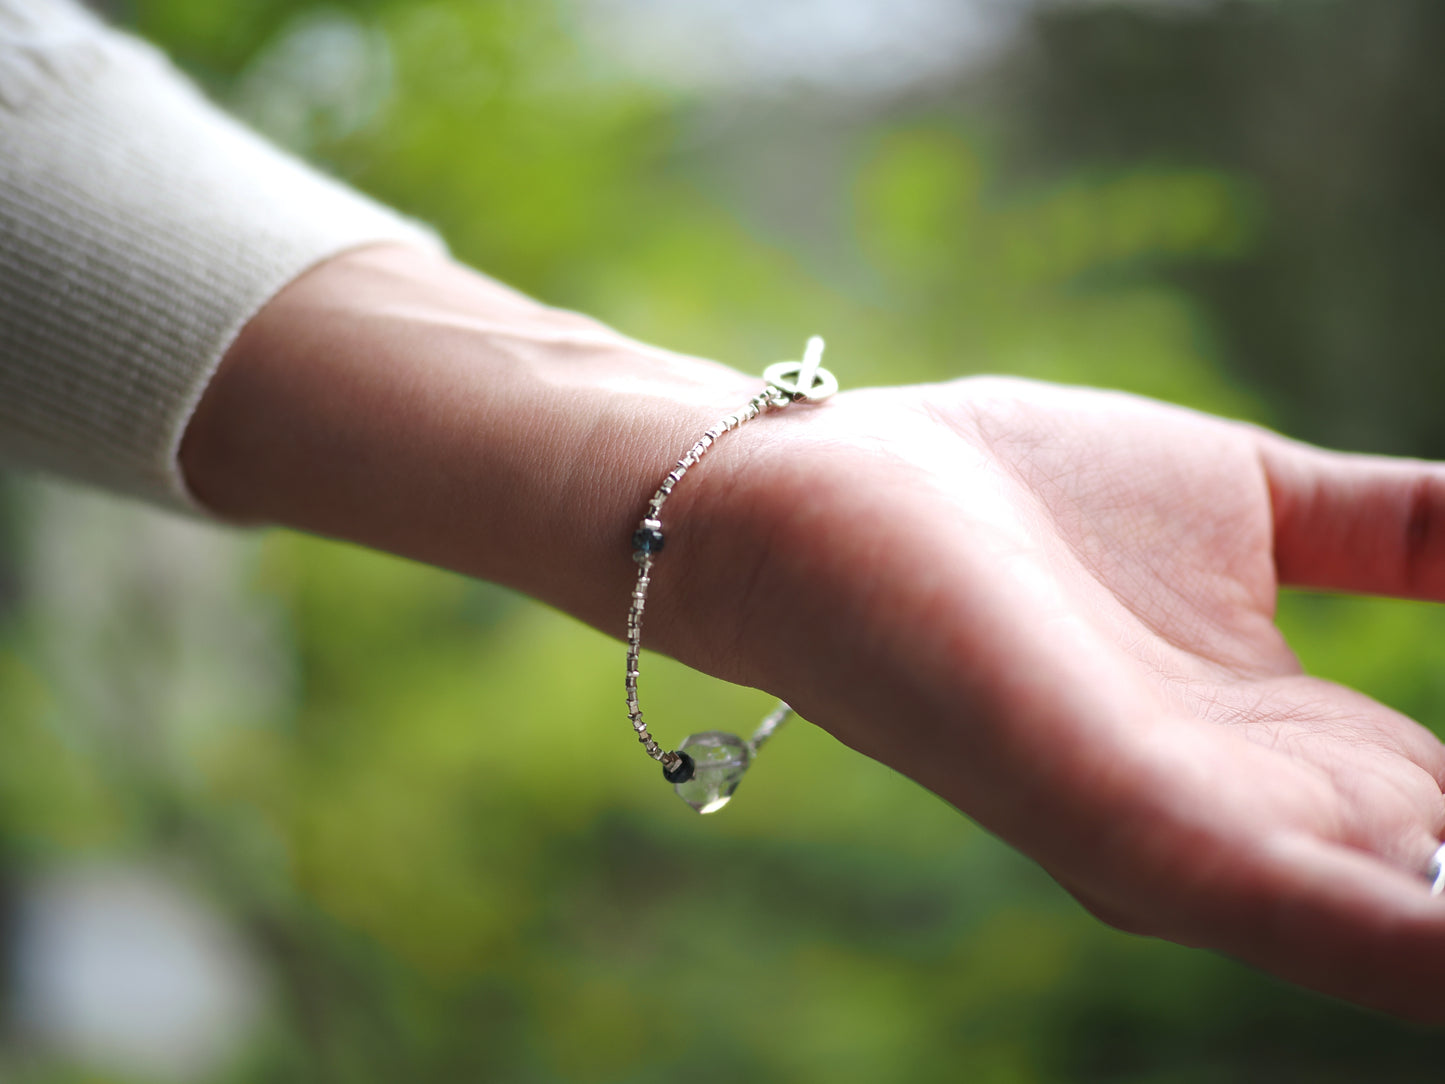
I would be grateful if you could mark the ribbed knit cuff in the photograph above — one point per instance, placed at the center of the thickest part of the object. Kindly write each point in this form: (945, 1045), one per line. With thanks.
(140, 228)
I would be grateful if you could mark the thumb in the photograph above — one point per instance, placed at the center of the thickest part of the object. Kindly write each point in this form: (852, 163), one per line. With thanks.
(1371, 524)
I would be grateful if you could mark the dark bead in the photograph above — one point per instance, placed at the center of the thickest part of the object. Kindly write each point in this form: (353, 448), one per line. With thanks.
(683, 772)
(647, 540)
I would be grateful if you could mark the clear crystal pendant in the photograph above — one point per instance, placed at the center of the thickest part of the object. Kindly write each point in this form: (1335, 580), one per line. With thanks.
(719, 763)
(707, 767)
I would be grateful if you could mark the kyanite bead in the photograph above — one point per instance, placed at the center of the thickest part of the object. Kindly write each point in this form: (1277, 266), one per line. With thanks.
(683, 772)
(647, 540)
(719, 761)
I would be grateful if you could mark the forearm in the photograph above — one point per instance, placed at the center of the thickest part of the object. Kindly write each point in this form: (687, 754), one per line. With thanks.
(140, 228)
(395, 399)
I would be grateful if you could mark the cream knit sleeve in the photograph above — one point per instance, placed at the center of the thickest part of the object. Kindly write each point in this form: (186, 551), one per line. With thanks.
(140, 228)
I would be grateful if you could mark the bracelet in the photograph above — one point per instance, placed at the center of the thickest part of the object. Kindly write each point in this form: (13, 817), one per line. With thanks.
(706, 768)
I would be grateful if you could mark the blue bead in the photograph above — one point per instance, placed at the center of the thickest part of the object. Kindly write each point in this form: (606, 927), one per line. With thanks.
(647, 540)
(684, 771)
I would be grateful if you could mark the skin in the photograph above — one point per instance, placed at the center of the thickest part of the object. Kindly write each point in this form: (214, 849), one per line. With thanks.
(1051, 606)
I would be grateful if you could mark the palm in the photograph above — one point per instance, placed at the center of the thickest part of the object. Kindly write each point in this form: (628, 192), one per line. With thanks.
(1063, 601)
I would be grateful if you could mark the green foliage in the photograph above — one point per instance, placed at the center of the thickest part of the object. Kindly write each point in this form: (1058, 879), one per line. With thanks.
(444, 848)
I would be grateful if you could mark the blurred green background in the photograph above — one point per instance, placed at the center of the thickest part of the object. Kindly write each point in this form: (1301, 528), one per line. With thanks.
(328, 759)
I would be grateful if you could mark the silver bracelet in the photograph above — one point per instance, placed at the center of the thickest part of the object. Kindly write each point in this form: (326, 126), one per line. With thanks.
(706, 768)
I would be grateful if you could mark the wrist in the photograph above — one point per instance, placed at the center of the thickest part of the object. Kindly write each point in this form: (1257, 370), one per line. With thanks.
(394, 399)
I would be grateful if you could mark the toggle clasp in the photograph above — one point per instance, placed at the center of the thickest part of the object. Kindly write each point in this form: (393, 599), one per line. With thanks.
(804, 380)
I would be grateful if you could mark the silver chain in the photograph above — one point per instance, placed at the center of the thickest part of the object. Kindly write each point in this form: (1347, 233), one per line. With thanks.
(787, 382)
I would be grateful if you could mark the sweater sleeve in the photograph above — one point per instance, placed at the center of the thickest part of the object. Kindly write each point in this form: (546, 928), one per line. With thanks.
(140, 228)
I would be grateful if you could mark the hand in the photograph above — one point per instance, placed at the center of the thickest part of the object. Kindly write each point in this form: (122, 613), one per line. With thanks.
(1053, 607)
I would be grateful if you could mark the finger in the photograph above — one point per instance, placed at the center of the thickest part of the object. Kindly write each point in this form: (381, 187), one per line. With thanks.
(1355, 522)
(1332, 918)
(1347, 924)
